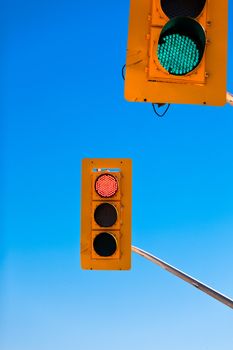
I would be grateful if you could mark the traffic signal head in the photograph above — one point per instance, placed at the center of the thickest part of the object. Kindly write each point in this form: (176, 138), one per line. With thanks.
(177, 52)
(106, 214)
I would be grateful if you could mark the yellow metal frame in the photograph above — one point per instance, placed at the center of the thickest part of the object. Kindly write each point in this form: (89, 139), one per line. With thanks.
(146, 80)
(121, 260)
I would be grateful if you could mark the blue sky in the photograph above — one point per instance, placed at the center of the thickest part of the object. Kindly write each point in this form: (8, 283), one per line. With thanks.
(62, 100)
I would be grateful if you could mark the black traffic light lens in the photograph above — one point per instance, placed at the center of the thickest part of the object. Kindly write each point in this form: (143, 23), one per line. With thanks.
(105, 244)
(189, 8)
(106, 185)
(105, 215)
(181, 45)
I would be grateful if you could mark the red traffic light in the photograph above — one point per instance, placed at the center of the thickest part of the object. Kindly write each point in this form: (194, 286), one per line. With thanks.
(106, 185)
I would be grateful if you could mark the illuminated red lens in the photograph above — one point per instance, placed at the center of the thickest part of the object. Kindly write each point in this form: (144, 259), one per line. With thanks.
(106, 185)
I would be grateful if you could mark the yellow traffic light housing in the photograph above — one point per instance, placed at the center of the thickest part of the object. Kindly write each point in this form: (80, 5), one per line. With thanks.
(177, 51)
(106, 214)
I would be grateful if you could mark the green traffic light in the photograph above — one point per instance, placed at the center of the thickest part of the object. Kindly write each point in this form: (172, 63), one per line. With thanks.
(178, 54)
(181, 45)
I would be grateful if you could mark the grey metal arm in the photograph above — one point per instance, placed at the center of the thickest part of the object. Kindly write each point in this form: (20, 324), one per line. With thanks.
(203, 287)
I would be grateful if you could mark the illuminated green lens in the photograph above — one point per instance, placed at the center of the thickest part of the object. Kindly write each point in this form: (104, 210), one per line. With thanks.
(181, 45)
(178, 54)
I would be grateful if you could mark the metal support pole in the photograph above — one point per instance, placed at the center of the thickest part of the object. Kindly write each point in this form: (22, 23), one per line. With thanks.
(203, 287)
(230, 98)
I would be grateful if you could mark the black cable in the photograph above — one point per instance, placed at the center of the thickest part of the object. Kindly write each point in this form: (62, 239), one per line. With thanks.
(123, 72)
(158, 114)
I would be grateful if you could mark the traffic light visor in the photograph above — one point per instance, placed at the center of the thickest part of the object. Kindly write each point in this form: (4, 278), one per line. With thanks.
(189, 8)
(105, 215)
(181, 45)
(105, 244)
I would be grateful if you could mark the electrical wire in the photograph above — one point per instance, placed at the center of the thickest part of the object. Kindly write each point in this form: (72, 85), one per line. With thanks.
(157, 113)
(123, 72)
